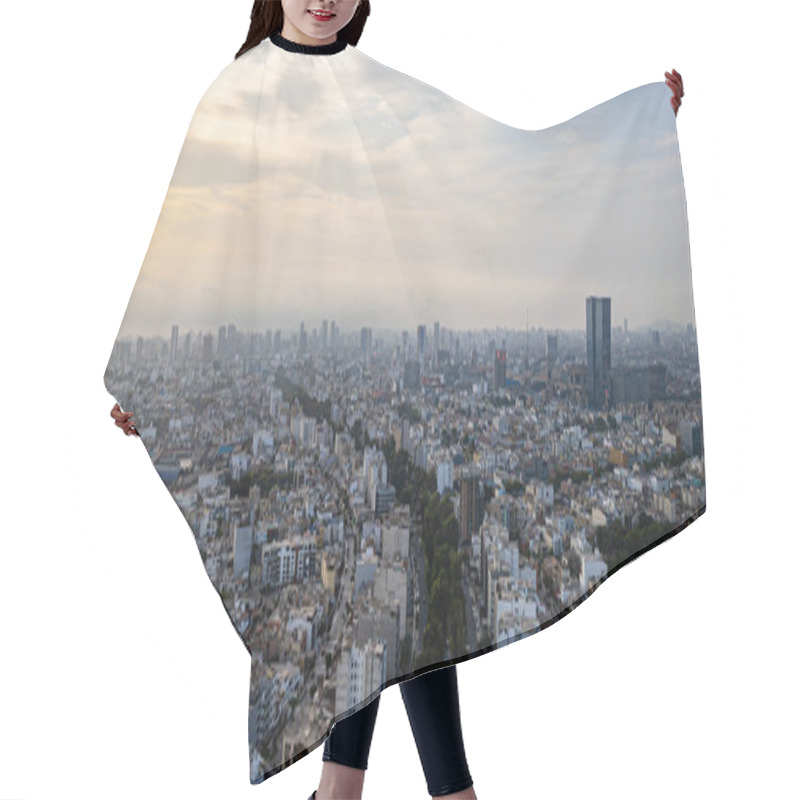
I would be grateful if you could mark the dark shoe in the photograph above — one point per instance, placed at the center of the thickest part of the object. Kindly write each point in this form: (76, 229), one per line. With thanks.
(313, 795)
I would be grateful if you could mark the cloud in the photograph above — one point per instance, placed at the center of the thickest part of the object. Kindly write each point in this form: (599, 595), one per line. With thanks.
(339, 188)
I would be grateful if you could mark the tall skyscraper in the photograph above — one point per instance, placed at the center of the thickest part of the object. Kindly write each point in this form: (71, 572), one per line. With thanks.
(221, 341)
(598, 352)
(173, 344)
(499, 369)
(436, 344)
(552, 354)
(303, 340)
(527, 340)
(420, 342)
(324, 334)
(366, 345)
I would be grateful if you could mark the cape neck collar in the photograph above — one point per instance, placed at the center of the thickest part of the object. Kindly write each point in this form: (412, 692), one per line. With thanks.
(309, 49)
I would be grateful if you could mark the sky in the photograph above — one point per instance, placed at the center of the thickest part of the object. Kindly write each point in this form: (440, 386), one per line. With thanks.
(333, 187)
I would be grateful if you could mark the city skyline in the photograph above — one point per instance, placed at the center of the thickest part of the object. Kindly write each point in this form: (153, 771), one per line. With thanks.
(659, 324)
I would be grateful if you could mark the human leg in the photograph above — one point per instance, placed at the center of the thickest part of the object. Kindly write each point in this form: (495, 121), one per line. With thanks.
(433, 710)
(346, 753)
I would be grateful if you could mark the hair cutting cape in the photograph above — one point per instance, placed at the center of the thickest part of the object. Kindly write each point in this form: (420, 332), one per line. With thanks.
(419, 381)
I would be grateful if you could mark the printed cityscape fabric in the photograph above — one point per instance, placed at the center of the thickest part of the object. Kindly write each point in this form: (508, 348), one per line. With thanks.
(418, 381)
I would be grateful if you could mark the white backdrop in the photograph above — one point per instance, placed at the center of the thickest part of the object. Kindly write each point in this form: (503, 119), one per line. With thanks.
(120, 673)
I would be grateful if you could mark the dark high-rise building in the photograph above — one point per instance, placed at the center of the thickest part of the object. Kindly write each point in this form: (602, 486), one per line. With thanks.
(221, 341)
(366, 345)
(324, 334)
(303, 341)
(552, 354)
(173, 344)
(420, 342)
(598, 352)
(527, 340)
(691, 437)
(499, 369)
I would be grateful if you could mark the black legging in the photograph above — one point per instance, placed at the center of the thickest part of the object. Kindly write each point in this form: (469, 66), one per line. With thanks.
(432, 705)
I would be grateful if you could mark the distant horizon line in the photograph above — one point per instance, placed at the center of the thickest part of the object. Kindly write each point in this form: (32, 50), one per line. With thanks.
(659, 325)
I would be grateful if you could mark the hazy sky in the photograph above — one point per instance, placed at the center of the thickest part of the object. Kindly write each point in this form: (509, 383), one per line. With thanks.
(334, 187)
